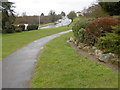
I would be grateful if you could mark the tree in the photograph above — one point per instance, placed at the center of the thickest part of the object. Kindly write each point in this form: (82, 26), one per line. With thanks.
(63, 13)
(42, 14)
(8, 17)
(95, 11)
(72, 15)
(113, 8)
(52, 16)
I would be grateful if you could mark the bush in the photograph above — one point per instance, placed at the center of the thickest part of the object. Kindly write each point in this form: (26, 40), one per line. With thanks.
(18, 29)
(9, 29)
(32, 27)
(78, 28)
(81, 35)
(22, 27)
(110, 42)
(98, 28)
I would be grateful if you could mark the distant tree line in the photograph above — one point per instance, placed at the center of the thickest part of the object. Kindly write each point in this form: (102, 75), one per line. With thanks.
(113, 8)
(102, 9)
(50, 18)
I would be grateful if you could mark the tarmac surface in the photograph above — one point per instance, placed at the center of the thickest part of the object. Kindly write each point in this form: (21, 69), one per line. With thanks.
(18, 67)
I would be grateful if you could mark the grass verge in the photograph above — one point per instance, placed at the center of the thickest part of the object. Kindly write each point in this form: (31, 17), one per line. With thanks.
(58, 66)
(12, 42)
(46, 24)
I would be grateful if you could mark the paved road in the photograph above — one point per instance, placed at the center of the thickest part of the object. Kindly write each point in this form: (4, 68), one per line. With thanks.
(18, 67)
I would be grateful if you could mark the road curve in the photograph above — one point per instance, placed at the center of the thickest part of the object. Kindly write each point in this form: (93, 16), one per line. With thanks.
(18, 67)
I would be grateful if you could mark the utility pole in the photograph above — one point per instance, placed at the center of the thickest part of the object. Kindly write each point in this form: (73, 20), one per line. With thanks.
(39, 20)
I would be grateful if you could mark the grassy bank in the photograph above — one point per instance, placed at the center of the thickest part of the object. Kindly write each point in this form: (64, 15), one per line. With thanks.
(46, 24)
(58, 66)
(12, 42)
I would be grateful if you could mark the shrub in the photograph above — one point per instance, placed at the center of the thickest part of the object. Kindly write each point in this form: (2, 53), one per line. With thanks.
(98, 28)
(10, 29)
(32, 27)
(78, 28)
(18, 29)
(22, 27)
(81, 35)
(110, 42)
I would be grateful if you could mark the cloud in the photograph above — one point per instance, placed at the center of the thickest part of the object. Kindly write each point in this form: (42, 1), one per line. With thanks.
(35, 7)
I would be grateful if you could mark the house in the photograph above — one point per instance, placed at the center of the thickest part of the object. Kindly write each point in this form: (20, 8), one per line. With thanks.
(79, 14)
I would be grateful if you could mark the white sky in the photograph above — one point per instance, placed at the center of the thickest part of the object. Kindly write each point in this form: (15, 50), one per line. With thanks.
(36, 7)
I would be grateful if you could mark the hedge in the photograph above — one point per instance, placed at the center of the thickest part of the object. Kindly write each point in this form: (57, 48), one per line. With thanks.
(32, 27)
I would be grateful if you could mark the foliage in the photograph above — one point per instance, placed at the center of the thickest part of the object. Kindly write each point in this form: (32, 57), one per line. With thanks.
(58, 66)
(22, 27)
(95, 11)
(18, 29)
(42, 14)
(52, 16)
(98, 28)
(72, 15)
(78, 28)
(110, 42)
(7, 17)
(81, 33)
(63, 13)
(9, 28)
(113, 8)
(32, 27)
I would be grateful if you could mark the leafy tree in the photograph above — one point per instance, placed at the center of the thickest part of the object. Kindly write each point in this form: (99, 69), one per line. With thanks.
(63, 13)
(42, 14)
(8, 17)
(95, 11)
(72, 15)
(52, 16)
(113, 8)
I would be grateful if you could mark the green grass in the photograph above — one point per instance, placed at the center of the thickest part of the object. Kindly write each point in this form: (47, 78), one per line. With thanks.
(12, 42)
(116, 16)
(46, 24)
(59, 66)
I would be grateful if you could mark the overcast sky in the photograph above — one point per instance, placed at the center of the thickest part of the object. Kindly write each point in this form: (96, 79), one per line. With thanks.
(35, 7)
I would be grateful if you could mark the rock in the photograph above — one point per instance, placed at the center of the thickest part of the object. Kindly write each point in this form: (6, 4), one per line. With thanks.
(115, 60)
(105, 57)
(81, 45)
(75, 42)
(86, 48)
(94, 48)
(72, 39)
(90, 53)
(68, 41)
(98, 53)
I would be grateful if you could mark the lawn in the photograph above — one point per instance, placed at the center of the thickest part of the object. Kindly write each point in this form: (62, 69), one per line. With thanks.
(12, 42)
(59, 66)
(46, 24)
